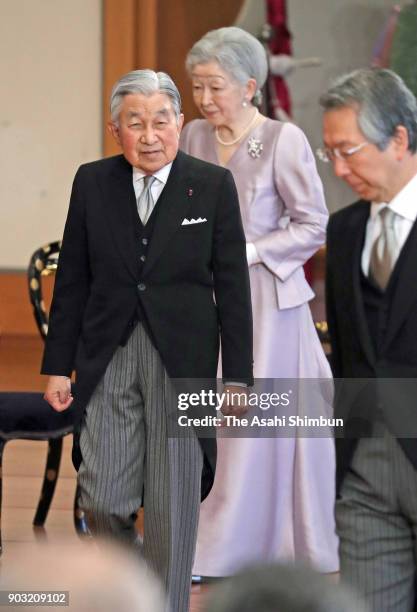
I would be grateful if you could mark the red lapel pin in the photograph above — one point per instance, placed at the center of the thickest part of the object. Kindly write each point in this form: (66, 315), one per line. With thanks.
(190, 192)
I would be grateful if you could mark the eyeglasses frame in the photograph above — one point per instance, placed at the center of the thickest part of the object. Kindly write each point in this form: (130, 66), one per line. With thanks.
(326, 154)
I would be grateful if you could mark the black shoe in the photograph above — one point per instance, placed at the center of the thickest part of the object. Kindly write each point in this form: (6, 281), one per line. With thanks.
(196, 579)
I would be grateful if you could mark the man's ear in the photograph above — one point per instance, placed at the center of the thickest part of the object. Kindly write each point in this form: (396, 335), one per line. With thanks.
(114, 131)
(400, 141)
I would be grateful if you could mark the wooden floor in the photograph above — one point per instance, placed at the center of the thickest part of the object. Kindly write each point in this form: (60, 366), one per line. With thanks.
(24, 463)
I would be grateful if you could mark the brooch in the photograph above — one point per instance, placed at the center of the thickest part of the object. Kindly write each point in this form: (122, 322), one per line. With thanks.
(255, 147)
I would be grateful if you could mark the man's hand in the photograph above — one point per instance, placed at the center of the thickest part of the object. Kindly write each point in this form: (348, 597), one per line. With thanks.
(58, 392)
(235, 402)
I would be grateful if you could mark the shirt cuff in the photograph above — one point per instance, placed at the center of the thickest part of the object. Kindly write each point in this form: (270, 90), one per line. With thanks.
(235, 384)
(252, 254)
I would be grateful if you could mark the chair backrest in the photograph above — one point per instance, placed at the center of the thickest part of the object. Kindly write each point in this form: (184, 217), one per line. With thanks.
(43, 262)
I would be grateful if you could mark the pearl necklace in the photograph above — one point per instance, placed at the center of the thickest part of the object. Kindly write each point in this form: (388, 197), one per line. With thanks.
(247, 128)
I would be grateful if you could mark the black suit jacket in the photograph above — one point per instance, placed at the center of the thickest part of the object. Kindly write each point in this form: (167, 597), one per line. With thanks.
(383, 381)
(97, 284)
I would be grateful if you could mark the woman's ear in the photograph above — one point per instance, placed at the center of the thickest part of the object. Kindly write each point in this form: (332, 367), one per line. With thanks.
(250, 89)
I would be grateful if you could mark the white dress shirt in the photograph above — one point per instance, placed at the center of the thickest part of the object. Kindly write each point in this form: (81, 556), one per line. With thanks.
(156, 187)
(404, 204)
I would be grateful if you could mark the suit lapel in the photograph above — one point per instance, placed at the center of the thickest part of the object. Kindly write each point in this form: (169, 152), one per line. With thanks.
(120, 202)
(357, 229)
(174, 204)
(405, 294)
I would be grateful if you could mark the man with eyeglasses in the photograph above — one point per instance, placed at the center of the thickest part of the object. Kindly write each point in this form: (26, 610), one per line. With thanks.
(370, 137)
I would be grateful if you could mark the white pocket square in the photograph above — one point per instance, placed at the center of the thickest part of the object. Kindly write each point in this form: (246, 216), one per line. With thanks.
(193, 221)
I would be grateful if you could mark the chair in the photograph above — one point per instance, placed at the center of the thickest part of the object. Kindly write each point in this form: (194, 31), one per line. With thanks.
(27, 416)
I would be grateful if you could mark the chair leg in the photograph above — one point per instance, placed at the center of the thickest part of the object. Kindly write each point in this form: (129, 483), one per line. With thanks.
(53, 461)
(80, 522)
(2, 445)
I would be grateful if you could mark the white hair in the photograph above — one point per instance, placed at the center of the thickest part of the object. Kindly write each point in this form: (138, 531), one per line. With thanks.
(236, 51)
(145, 82)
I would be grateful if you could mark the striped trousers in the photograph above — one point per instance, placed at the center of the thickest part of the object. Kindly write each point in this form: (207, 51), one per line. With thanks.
(129, 459)
(376, 520)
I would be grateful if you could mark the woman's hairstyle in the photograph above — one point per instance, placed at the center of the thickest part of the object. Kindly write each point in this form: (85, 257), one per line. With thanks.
(236, 51)
(382, 102)
(146, 82)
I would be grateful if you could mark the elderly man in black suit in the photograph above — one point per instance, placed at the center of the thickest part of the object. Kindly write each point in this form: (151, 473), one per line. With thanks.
(370, 136)
(152, 275)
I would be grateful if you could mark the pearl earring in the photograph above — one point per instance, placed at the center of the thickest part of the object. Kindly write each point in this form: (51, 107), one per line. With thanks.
(244, 103)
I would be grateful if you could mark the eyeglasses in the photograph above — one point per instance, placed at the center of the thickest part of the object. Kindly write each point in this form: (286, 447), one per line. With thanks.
(329, 155)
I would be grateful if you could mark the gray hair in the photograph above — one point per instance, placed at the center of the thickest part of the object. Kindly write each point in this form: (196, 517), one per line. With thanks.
(382, 102)
(272, 587)
(101, 578)
(236, 51)
(145, 82)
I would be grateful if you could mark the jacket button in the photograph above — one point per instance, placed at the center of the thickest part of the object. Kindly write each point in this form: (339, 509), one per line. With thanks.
(144, 241)
(141, 286)
(142, 258)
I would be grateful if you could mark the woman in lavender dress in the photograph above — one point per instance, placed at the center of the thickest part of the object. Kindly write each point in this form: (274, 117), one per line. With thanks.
(272, 498)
